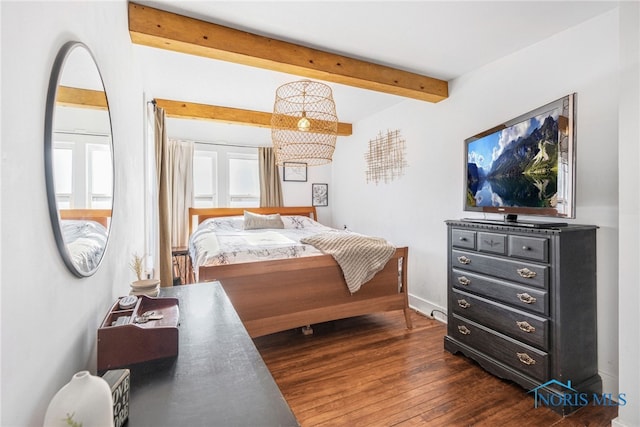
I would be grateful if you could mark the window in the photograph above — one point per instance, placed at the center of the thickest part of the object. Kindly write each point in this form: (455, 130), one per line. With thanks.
(225, 176)
(83, 173)
(63, 174)
(99, 173)
(244, 183)
(205, 178)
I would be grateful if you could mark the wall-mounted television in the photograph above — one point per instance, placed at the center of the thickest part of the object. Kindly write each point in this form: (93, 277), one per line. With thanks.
(525, 166)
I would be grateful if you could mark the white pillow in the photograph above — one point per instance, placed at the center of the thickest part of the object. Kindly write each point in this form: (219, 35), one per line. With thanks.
(254, 221)
(299, 221)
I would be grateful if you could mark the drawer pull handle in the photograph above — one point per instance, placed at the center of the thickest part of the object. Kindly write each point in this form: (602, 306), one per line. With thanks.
(526, 273)
(464, 260)
(463, 239)
(526, 327)
(464, 281)
(526, 298)
(463, 303)
(464, 330)
(525, 248)
(526, 359)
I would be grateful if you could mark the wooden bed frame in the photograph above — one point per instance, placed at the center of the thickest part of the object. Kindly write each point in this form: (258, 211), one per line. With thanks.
(273, 296)
(101, 216)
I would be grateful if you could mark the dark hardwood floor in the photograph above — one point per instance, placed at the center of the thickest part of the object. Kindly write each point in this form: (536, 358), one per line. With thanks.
(371, 371)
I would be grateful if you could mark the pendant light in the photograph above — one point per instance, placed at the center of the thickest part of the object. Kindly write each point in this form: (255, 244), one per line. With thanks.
(304, 123)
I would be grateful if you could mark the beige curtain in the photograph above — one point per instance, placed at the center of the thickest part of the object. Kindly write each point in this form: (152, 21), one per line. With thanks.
(164, 205)
(181, 177)
(270, 187)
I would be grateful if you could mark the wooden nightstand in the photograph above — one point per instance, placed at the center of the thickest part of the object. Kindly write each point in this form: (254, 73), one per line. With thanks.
(182, 265)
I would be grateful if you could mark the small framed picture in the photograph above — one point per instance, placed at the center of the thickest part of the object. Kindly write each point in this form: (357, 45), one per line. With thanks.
(294, 172)
(320, 194)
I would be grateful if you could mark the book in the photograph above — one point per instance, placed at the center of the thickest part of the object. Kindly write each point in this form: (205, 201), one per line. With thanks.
(119, 381)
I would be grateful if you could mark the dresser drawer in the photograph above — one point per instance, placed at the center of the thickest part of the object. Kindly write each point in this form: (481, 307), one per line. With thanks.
(517, 324)
(463, 238)
(492, 242)
(531, 299)
(524, 358)
(534, 248)
(527, 273)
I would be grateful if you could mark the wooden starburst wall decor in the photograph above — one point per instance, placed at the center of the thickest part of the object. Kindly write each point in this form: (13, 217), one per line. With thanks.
(386, 158)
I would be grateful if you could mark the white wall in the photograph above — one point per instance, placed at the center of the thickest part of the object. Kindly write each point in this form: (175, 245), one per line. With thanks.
(629, 246)
(299, 193)
(411, 210)
(48, 316)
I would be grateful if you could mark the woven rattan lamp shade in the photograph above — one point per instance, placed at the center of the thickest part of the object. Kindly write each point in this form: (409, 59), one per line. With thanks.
(304, 123)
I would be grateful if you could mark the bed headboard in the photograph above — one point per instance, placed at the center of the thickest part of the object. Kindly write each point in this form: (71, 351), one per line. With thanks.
(101, 216)
(202, 214)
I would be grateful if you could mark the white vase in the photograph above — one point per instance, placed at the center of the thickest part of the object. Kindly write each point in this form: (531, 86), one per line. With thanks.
(85, 401)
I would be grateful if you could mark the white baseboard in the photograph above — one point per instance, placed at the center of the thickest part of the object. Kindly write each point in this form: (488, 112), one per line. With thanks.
(426, 307)
(616, 423)
(609, 383)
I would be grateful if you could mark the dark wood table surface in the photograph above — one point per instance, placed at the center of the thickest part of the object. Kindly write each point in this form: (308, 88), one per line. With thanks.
(218, 377)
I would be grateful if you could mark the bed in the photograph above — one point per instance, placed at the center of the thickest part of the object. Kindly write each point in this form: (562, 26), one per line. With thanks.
(280, 294)
(101, 216)
(85, 233)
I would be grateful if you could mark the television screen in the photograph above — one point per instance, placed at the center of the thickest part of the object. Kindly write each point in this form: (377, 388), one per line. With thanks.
(524, 166)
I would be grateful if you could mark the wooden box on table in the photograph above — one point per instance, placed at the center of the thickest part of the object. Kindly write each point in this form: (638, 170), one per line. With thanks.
(125, 337)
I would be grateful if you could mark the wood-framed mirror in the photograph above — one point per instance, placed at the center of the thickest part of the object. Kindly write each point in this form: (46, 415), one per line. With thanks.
(78, 155)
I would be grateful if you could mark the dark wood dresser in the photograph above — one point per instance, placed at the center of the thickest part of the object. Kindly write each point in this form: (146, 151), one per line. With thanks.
(522, 303)
(218, 377)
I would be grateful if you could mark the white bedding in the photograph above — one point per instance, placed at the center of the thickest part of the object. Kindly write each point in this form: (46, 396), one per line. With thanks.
(85, 241)
(219, 241)
(268, 238)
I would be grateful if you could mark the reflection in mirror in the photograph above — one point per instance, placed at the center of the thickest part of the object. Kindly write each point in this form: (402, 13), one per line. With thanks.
(78, 159)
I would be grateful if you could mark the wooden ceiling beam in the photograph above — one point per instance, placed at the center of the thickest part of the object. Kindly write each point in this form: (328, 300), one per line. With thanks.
(82, 98)
(165, 30)
(234, 116)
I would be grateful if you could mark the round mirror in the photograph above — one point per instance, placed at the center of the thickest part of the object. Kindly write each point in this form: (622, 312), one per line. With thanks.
(78, 159)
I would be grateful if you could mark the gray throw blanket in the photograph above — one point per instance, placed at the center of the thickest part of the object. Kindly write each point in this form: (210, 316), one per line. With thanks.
(360, 257)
